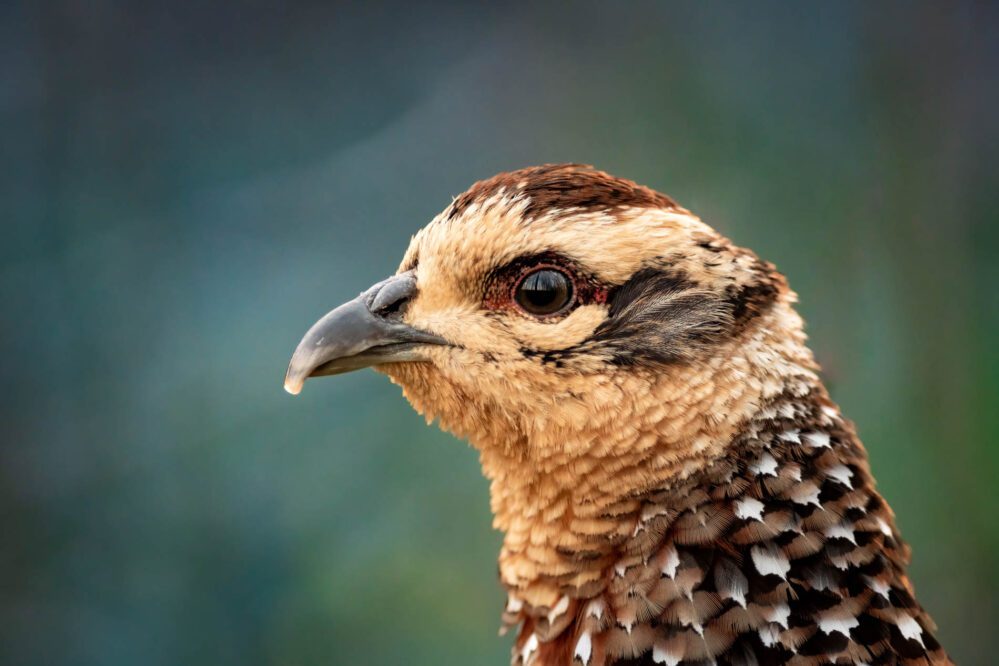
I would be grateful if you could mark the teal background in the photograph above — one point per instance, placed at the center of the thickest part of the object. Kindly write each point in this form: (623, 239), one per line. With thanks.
(187, 186)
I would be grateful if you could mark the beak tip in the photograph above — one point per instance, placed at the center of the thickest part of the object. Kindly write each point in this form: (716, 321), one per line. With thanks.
(293, 385)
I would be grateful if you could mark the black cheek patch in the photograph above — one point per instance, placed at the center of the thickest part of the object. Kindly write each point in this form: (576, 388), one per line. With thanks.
(641, 284)
(661, 316)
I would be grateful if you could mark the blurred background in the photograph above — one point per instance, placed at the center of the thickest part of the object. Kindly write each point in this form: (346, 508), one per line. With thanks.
(186, 187)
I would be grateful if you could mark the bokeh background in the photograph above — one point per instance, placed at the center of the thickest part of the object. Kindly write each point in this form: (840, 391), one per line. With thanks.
(187, 186)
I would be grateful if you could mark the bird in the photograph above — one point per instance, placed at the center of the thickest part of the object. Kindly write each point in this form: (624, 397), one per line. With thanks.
(673, 482)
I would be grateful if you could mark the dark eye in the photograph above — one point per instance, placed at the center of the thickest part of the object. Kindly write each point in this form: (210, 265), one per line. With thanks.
(544, 292)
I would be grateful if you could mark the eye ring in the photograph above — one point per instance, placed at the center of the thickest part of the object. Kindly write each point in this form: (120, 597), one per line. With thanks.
(544, 291)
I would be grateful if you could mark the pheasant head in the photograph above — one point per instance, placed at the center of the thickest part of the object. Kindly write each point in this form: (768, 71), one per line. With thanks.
(672, 481)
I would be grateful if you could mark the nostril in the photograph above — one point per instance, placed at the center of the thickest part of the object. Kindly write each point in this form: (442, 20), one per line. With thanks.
(393, 296)
(396, 307)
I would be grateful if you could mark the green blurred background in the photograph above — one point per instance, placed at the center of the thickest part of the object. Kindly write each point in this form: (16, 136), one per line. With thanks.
(187, 186)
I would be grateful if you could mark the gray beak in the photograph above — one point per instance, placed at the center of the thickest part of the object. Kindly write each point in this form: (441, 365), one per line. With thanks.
(363, 332)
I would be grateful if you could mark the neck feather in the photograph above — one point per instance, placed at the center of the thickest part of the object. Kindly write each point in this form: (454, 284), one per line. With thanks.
(565, 498)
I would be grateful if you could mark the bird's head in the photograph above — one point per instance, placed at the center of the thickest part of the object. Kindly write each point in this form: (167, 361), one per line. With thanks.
(548, 306)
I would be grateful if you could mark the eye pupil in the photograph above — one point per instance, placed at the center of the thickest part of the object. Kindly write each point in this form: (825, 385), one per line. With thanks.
(544, 291)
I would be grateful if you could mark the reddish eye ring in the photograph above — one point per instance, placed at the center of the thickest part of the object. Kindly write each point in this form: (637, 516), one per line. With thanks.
(544, 291)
